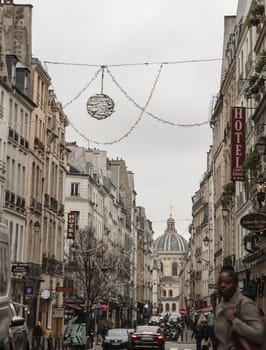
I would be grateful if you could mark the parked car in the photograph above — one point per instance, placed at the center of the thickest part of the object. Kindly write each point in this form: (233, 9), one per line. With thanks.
(18, 330)
(154, 320)
(148, 337)
(116, 338)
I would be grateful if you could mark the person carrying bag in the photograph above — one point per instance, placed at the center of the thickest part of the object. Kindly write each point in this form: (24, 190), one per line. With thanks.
(243, 343)
(230, 324)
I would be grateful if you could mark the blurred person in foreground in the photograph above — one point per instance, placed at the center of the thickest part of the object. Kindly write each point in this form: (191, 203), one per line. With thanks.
(236, 314)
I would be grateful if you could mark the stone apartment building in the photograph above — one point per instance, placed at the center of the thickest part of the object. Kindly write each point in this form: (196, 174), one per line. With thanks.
(101, 193)
(33, 157)
(240, 193)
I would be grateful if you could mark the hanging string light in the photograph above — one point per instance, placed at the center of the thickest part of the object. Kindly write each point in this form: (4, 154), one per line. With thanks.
(100, 106)
(133, 126)
(85, 88)
(151, 114)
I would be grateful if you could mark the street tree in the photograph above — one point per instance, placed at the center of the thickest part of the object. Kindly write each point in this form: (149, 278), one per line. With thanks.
(91, 265)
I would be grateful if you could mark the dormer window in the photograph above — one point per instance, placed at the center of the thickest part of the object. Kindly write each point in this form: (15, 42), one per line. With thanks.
(11, 61)
(22, 78)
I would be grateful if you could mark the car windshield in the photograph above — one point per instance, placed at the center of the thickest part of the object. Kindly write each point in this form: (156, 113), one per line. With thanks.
(147, 329)
(117, 332)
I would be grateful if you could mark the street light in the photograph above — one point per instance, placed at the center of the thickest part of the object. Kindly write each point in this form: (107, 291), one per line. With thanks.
(225, 212)
(206, 241)
(36, 226)
(260, 145)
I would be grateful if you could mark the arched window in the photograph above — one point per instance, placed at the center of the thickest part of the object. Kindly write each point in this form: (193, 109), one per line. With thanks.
(161, 267)
(166, 307)
(174, 307)
(170, 293)
(164, 293)
(174, 269)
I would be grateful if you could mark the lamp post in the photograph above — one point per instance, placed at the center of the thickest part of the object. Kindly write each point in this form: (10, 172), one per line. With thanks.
(260, 145)
(206, 241)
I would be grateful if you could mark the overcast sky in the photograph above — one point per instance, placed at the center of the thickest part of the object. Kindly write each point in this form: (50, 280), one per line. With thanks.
(168, 161)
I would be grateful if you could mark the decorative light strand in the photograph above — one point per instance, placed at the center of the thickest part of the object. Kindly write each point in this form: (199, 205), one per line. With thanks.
(85, 88)
(149, 113)
(134, 64)
(133, 126)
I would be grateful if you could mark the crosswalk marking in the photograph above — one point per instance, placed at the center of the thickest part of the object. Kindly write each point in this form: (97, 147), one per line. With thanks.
(177, 349)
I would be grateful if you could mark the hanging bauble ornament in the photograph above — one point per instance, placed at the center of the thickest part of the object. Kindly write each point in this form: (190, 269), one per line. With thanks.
(100, 106)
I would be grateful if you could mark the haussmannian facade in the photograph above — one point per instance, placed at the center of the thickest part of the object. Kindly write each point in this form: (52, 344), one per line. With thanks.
(242, 86)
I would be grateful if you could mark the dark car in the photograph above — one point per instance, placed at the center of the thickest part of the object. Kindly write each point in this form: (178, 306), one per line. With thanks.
(116, 338)
(18, 330)
(148, 337)
(154, 321)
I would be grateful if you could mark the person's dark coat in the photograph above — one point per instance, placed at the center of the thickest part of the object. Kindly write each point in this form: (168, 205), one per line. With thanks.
(37, 331)
(247, 322)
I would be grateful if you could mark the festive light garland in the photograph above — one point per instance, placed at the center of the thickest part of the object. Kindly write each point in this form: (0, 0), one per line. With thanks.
(85, 88)
(133, 126)
(134, 64)
(151, 114)
(143, 109)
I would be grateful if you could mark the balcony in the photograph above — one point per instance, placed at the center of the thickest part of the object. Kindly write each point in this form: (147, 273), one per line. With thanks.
(23, 144)
(2, 167)
(36, 206)
(12, 136)
(46, 200)
(38, 144)
(54, 204)
(34, 270)
(52, 266)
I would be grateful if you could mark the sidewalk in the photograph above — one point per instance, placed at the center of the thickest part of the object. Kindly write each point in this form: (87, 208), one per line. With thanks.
(186, 339)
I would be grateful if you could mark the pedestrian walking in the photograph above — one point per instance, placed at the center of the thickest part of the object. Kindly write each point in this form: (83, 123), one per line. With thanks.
(198, 334)
(49, 335)
(235, 314)
(37, 336)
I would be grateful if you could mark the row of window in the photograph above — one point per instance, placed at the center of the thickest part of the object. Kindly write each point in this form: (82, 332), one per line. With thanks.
(167, 307)
(170, 293)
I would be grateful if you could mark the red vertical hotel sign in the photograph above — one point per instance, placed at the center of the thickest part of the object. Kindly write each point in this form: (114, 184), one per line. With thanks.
(71, 225)
(238, 149)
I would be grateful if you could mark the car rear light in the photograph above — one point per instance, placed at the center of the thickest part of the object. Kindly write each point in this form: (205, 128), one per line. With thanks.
(160, 337)
(134, 336)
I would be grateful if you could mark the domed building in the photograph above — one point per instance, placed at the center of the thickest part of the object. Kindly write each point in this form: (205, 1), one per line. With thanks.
(172, 249)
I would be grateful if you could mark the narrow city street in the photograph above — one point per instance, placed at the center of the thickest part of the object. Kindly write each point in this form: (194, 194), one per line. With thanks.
(132, 174)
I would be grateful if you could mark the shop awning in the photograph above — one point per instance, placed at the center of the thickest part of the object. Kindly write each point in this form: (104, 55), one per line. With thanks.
(205, 309)
(74, 306)
(105, 307)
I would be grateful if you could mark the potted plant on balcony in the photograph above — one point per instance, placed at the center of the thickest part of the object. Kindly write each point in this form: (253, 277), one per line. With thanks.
(255, 14)
(251, 162)
(255, 84)
(260, 65)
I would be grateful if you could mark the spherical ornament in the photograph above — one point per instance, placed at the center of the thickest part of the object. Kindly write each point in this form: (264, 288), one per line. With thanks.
(100, 106)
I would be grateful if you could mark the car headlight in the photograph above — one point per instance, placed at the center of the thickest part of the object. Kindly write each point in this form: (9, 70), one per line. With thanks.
(107, 340)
